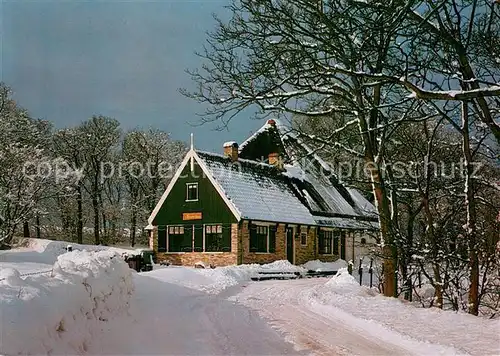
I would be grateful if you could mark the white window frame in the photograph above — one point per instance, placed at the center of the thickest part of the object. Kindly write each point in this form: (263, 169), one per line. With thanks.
(303, 231)
(204, 241)
(168, 236)
(332, 231)
(197, 191)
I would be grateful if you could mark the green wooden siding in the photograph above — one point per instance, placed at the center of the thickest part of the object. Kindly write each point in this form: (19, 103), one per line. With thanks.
(213, 208)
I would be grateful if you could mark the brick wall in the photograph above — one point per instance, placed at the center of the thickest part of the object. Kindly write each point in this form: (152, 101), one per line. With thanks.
(190, 258)
(240, 250)
(304, 253)
(253, 257)
(328, 258)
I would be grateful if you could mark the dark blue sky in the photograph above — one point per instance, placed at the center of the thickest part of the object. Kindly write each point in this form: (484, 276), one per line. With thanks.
(68, 60)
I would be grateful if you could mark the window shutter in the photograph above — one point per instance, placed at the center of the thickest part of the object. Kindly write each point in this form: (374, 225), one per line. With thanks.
(272, 238)
(198, 238)
(187, 239)
(226, 238)
(254, 244)
(162, 239)
(321, 241)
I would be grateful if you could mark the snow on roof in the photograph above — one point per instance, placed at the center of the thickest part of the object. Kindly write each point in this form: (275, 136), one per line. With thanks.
(268, 125)
(230, 144)
(265, 127)
(345, 223)
(259, 191)
(321, 189)
(361, 202)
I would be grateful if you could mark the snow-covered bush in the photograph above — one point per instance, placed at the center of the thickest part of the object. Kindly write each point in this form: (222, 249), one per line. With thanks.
(63, 310)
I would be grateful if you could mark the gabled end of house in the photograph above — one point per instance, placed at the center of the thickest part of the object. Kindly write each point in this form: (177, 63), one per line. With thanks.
(272, 198)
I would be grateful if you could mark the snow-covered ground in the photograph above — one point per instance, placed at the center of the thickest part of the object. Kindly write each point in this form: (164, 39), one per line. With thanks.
(62, 312)
(338, 316)
(91, 303)
(40, 254)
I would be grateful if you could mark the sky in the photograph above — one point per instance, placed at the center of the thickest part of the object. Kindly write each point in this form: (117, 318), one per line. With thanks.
(69, 60)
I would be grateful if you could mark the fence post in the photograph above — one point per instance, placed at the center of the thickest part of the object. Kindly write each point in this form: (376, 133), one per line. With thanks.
(360, 271)
(371, 272)
(349, 267)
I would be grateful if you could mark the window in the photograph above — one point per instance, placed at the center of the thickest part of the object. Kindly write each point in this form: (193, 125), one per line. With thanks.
(329, 242)
(303, 238)
(336, 242)
(191, 191)
(162, 239)
(180, 238)
(326, 242)
(217, 239)
(262, 238)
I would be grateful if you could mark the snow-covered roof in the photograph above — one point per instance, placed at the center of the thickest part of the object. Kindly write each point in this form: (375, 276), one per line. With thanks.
(346, 223)
(230, 144)
(258, 191)
(305, 191)
(310, 175)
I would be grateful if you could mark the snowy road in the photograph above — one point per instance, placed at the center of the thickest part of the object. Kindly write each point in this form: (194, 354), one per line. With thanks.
(187, 311)
(257, 318)
(323, 330)
(174, 320)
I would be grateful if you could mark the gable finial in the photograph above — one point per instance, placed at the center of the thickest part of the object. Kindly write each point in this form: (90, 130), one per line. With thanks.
(192, 141)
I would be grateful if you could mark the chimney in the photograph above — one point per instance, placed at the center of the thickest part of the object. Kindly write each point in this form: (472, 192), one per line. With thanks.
(231, 150)
(271, 122)
(276, 160)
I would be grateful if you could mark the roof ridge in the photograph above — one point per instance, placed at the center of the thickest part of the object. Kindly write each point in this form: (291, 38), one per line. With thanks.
(243, 160)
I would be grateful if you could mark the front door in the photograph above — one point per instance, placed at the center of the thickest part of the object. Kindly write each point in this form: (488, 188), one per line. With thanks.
(289, 244)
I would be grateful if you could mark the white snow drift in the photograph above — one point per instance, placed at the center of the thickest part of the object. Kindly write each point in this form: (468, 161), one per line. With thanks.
(63, 311)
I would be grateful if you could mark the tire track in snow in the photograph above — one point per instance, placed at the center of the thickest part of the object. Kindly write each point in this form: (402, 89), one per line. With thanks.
(282, 304)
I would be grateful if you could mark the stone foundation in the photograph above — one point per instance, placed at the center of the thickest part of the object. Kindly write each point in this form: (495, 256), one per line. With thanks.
(217, 259)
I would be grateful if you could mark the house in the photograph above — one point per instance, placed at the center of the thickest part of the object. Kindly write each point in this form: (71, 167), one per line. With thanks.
(270, 198)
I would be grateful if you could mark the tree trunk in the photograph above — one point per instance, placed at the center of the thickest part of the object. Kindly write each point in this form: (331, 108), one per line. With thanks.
(105, 227)
(389, 253)
(95, 205)
(470, 205)
(438, 286)
(371, 146)
(37, 227)
(26, 229)
(79, 215)
(133, 226)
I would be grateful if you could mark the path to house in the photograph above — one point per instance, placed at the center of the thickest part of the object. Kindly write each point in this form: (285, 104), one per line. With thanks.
(175, 320)
(259, 318)
(256, 318)
(323, 333)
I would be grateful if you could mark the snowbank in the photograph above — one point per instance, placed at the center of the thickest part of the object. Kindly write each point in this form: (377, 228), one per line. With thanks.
(216, 280)
(65, 310)
(364, 307)
(318, 266)
(40, 254)
(52, 249)
(280, 266)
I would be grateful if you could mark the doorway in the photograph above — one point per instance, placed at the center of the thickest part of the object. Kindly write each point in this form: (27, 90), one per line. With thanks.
(342, 245)
(289, 244)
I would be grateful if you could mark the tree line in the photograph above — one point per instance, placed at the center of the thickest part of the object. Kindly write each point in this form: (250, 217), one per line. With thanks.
(383, 82)
(91, 183)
